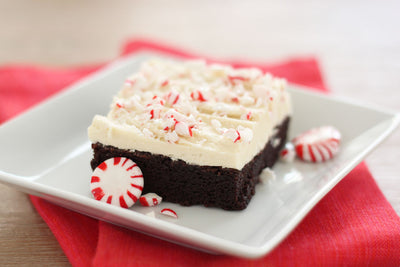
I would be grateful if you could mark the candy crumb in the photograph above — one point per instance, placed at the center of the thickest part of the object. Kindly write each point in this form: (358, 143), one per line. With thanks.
(169, 212)
(266, 175)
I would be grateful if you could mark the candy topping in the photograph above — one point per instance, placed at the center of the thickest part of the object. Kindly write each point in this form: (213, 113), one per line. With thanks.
(189, 92)
(232, 134)
(197, 96)
(165, 83)
(181, 128)
(117, 181)
(178, 105)
(172, 98)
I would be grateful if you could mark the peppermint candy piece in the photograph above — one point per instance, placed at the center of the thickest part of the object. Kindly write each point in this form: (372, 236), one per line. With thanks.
(183, 129)
(150, 199)
(172, 98)
(198, 96)
(266, 175)
(232, 134)
(169, 212)
(117, 181)
(288, 153)
(317, 144)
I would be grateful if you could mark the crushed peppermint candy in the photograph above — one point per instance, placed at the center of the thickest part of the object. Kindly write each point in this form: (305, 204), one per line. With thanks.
(232, 134)
(266, 175)
(197, 95)
(241, 134)
(146, 132)
(150, 200)
(196, 102)
(246, 116)
(169, 212)
(183, 129)
(172, 137)
(172, 98)
(164, 83)
(246, 134)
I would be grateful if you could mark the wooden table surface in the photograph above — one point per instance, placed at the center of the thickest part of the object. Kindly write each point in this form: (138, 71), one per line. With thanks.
(357, 43)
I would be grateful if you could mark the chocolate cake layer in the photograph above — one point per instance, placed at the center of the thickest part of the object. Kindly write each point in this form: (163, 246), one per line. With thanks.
(189, 184)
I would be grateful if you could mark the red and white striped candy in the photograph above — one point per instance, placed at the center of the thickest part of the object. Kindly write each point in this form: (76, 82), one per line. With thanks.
(169, 212)
(172, 98)
(183, 129)
(150, 199)
(117, 181)
(197, 95)
(318, 144)
(232, 134)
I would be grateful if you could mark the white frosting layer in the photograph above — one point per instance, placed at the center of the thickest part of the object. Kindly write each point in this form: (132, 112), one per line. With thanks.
(203, 114)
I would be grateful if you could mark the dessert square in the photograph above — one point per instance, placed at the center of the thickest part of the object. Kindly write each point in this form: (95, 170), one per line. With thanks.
(201, 133)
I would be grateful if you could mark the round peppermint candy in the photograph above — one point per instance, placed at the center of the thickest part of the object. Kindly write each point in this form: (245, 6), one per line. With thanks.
(317, 144)
(117, 181)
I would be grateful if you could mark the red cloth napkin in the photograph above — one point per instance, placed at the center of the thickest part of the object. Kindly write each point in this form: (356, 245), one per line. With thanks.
(353, 225)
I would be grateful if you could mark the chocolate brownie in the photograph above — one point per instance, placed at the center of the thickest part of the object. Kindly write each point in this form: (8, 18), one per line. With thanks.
(188, 184)
(201, 133)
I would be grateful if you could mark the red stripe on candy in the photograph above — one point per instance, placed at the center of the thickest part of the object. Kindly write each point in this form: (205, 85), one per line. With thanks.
(155, 201)
(98, 193)
(109, 199)
(102, 166)
(95, 179)
(136, 176)
(248, 115)
(299, 151)
(122, 202)
(328, 149)
(169, 212)
(165, 83)
(334, 140)
(131, 167)
(137, 186)
(123, 163)
(144, 202)
(198, 95)
(311, 153)
(238, 138)
(117, 160)
(176, 100)
(321, 153)
(132, 196)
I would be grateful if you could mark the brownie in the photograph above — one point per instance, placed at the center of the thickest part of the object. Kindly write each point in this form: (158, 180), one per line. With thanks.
(189, 184)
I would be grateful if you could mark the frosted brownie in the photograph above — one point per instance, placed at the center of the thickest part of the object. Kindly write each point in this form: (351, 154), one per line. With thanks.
(201, 133)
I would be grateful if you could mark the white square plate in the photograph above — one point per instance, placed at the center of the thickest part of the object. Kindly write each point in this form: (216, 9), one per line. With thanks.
(46, 152)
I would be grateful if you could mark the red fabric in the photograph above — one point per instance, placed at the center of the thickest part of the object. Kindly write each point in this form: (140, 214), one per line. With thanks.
(353, 225)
